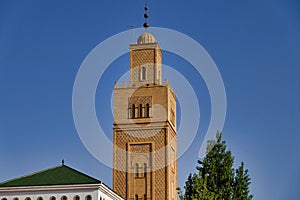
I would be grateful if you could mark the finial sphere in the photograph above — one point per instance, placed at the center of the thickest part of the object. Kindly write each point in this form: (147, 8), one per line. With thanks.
(146, 25)
(146, 8)
(146, 15)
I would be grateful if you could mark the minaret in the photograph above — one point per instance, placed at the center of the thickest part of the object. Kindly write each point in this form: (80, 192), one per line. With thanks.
(144, 132)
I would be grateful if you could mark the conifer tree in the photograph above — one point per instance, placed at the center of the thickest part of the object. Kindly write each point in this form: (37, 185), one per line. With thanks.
(216, 178)
(195, 188)
(217, 166)
(241, 184)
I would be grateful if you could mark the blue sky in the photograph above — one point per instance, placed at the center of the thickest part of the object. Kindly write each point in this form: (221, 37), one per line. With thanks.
(255, 44)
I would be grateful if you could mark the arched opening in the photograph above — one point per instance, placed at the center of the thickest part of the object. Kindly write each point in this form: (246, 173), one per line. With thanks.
(133, 111)
(27, 198)
(136, 197)
(88, 197)
(147, 110)
(76, 197)
(145, 169)
(64, 198)
(143, 74)
(52, 198)
(140, 111)
(136, 170)
(39, 198)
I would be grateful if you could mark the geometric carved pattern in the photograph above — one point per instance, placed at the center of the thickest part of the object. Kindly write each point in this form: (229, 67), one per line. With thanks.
(172, 117)
(150, 59)
(139, 153)
(140, 100)
(141, 57)
(120, 183)
(140, 148)
(142, 135)
(160, 188)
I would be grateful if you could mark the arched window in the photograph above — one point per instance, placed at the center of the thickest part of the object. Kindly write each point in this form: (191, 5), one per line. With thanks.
(100, 198)
(143, 74)
(136, 197)
(147, 111)
(145, 169)
(27, 198)
(39, 198)
(76, 197)
(16, 198)
(140, 111)
(52, 198)
(136, 170)
(145, 197)
(4, 199)
(133, 111)
(64, 198)
(88, 197)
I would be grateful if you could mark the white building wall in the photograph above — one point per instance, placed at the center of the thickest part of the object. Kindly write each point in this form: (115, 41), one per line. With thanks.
(97, 192)
(46, 195)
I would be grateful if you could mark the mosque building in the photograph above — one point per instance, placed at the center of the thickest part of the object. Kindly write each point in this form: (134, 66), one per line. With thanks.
(144, 138)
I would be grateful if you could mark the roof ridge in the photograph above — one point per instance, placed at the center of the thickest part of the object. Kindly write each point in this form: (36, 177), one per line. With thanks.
(58, 175)
(81, 173)
(28, 175)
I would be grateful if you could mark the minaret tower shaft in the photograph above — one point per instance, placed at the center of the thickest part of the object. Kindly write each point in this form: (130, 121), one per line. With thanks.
(144, 131)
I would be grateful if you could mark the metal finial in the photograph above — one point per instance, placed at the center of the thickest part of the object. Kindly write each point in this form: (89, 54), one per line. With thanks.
(62, 162)
(146, 5)
(146, 16)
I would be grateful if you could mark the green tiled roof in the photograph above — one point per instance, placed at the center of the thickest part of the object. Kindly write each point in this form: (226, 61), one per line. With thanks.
(60, 175)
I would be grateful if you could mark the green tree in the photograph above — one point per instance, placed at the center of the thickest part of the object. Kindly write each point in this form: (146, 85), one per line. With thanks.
(216, 178)
(241, 184)
(195, 188)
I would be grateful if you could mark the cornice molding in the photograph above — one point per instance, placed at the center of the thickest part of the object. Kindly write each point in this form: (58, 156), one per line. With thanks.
(50, 188)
